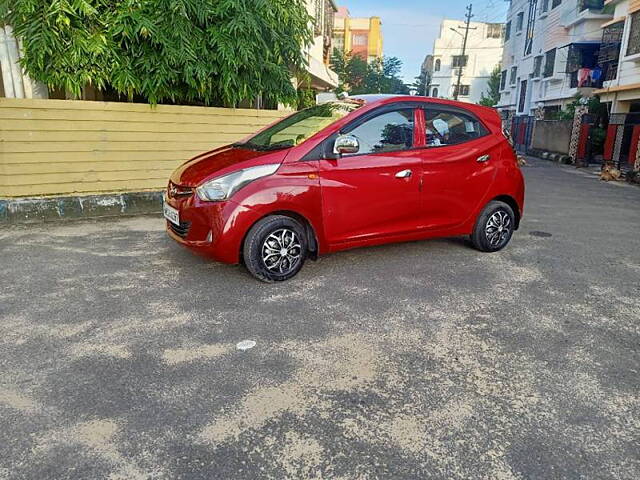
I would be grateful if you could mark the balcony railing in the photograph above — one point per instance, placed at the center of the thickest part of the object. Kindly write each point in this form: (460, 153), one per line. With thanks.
(587, 82)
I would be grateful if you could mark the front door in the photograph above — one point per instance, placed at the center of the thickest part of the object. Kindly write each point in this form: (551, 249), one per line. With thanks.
(375, 192)
(459, 165)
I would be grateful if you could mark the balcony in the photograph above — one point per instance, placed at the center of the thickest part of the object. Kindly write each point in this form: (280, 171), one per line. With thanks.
(586, 10)
(609, 54)
(583, 67)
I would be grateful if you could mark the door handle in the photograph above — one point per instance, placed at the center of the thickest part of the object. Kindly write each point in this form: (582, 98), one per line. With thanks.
(483, 158)
(403, 174)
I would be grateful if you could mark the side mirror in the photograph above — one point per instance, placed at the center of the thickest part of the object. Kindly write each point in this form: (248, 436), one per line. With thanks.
(346, 144)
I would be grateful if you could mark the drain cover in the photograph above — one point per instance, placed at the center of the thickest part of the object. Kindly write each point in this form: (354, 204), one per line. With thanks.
(537, 233)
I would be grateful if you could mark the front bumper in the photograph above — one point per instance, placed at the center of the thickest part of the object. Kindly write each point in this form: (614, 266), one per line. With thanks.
(212, 229)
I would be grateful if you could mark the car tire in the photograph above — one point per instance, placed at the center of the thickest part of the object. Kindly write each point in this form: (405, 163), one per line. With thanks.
(275, 248)
(494, 227)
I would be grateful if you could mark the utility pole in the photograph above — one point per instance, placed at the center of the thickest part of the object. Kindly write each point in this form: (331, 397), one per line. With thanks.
(464, 49)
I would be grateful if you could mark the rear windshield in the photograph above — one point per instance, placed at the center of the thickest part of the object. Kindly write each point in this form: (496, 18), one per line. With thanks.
(296, 128)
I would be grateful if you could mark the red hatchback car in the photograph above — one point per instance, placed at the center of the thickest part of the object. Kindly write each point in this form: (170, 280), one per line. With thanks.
(362, 171)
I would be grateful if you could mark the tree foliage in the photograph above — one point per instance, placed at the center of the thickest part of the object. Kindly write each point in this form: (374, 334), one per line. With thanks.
(356, 76)
(193, 51)
(493, 89)
(422, 82)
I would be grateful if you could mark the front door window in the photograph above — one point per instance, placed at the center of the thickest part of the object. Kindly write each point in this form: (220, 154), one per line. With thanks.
(388, 132)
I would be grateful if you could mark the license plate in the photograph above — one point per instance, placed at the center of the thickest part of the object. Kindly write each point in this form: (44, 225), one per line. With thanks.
(171, 214)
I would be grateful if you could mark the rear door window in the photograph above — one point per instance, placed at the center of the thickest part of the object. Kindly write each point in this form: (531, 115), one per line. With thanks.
(448, 127)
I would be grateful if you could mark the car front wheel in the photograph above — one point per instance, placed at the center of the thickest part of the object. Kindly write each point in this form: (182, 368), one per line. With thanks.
(494, 227)
(275, 248)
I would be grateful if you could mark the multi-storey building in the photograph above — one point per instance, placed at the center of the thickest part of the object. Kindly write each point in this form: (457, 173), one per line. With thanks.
(550, 54)
(319, 52)
(360, 36)
(619, 59)
(482, 55)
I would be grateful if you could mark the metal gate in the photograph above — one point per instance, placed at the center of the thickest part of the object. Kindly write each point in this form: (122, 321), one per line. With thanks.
(521, 130)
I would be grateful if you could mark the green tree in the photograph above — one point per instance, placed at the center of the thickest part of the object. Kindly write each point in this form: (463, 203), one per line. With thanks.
(191, 51)
(493, 89)
(356, 76)
(422, 82)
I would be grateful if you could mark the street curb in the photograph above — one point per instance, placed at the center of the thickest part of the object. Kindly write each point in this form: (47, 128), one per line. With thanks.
(39, 210)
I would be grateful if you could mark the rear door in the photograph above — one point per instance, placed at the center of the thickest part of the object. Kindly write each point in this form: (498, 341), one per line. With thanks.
(459, 164)
(375, 192)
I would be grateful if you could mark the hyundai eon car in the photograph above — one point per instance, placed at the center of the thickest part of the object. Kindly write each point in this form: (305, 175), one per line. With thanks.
(356, 172)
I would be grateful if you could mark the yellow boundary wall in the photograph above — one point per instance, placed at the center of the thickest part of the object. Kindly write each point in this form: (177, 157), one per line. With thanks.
(67, 147)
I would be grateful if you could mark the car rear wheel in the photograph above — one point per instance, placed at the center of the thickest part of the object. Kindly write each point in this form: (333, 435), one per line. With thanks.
(275, 248)
(494, 227)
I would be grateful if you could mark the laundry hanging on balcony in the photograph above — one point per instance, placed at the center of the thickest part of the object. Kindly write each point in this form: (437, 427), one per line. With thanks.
(584, 75)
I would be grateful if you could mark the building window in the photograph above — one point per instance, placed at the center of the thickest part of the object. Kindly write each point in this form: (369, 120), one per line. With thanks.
(359, 39)
(549, 63)
(436, 67)
(507, 31)
(633, 46)
(519, 21)
(318, 17)
(590, 5)
(609, 53)
(503, 79)
(463, 92)
(494, 30)
(555, 3)
(514, 74)
(459, 61)
(523, 96)
(544, 6)
(531, 22)
(434, 92)
(537, 66)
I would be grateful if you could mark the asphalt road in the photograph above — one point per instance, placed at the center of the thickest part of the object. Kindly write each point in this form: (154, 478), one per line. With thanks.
(118, 353)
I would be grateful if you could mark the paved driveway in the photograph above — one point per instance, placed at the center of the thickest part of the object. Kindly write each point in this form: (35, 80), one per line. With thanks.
(427, 359)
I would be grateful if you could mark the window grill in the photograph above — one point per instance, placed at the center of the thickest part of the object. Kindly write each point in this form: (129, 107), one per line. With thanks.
(581, 56)
(549, 63)
(633, 46)
(464, 91)
(609, 53)
(459, 61)
(494, 30)
(544, 6)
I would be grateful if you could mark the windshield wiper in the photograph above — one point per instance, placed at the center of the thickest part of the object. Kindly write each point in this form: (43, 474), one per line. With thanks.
(261, 148)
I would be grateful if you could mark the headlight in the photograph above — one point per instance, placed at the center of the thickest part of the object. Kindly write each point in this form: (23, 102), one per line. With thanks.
(222, 188)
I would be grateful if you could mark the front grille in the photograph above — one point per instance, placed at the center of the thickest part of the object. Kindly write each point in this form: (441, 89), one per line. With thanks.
(181, 230)
(177, 191)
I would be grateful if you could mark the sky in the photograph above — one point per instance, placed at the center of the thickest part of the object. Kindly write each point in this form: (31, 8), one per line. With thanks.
(409, 27)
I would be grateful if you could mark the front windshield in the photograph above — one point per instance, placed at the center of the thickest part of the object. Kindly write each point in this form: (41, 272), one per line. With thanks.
(296, 128)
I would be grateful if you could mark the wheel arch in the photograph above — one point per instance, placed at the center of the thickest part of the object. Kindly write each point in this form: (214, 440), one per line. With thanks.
(312, 238)
(509, 200)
